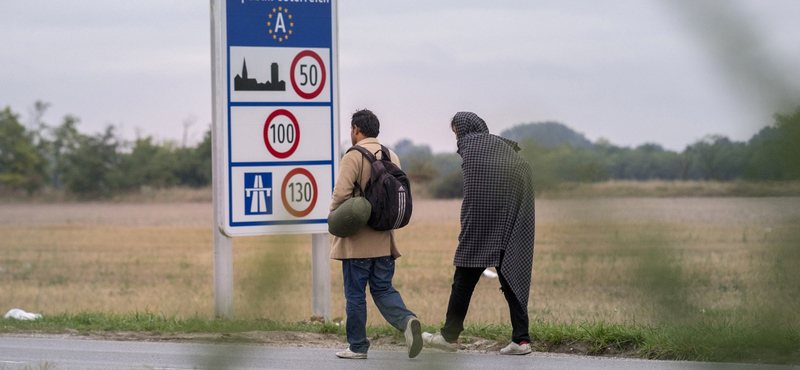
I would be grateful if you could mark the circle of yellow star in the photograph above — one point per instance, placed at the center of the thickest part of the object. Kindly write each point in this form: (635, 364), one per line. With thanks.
(274, 32)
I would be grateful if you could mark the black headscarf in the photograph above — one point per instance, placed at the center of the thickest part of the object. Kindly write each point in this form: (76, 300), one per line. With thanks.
(498, 209)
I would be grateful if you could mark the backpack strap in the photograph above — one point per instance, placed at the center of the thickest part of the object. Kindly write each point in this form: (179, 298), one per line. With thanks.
(365, 152)
(370, 157)
(385, 153)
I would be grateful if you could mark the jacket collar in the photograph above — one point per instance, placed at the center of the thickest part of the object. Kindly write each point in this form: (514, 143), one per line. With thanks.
(369, 140)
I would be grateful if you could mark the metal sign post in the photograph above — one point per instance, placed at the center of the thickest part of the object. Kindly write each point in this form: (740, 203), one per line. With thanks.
(276, 129)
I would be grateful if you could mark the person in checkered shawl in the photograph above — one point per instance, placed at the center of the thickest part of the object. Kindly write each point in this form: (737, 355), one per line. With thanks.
(497, 229)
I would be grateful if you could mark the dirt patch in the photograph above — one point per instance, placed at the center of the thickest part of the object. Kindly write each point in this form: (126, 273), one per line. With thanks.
(268, 338)
(586, 349)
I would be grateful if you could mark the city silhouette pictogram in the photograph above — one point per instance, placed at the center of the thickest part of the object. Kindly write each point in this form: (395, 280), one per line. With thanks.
(243, 83)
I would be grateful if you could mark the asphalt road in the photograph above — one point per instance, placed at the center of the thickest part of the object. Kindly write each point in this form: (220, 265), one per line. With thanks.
(67, 354)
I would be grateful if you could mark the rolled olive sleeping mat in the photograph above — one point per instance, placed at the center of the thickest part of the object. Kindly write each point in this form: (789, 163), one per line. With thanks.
(349, 217)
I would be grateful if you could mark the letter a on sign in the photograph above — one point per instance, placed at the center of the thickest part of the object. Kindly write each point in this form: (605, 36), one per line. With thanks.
(279, 23)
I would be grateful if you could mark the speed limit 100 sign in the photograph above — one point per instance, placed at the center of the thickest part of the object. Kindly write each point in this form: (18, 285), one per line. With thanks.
(281, 133)
(276, 95)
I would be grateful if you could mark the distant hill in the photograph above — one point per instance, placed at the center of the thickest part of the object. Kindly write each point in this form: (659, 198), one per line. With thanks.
(547, 133)
(406, 147)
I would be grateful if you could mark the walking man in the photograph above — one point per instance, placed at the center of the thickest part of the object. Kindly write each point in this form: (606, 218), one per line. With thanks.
(368, 255)
(497, 228)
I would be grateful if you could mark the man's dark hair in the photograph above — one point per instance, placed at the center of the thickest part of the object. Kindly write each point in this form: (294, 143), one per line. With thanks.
(367, 122)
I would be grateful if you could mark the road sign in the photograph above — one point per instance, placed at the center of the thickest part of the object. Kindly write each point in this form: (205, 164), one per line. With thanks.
(308, 68)
(299, 192)
(281, 128)
(276, 99)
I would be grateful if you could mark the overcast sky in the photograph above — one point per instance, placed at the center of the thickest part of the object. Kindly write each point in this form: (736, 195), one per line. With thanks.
(631, 71)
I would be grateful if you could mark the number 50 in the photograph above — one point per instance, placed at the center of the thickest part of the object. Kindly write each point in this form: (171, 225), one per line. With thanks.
(311, 77)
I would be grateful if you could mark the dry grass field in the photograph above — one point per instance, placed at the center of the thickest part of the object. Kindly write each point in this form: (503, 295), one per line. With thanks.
(622, 260)
(669, 189)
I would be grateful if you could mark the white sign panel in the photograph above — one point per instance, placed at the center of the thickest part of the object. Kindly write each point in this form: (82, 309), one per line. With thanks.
(280, 74)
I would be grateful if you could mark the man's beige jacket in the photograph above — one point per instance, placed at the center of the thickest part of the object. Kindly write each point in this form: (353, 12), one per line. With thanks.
(366, 242)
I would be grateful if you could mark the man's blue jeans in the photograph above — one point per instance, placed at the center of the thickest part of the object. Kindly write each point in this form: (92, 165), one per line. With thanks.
(378, 272)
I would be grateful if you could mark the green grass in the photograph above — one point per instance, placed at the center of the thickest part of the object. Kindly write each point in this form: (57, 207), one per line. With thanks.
(40, 366)
(728, 342)
(711, 340)
(157, 323)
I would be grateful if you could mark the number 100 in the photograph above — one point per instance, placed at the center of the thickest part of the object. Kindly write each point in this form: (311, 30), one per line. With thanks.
(281, 133)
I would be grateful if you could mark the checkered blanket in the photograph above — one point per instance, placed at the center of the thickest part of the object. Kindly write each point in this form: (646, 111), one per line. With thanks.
(498, 209)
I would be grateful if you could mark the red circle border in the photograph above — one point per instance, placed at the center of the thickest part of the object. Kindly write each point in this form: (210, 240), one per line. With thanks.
(275, 153)
(313, 94)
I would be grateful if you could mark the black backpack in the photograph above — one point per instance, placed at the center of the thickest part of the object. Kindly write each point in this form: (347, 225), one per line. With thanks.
(387, 190)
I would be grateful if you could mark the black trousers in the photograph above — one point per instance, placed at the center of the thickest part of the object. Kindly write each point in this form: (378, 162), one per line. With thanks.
(464, 281)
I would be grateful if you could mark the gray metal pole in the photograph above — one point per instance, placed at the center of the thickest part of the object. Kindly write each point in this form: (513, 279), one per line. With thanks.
(223, 244)
(321, 275)
(223, 275)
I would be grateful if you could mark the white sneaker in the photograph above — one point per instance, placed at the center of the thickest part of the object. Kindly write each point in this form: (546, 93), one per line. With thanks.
(413, 334)
(436, 340)
(350, 354)
(516, 349)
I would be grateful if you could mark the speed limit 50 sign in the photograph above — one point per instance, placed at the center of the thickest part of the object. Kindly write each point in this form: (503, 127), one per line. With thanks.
(276, 97)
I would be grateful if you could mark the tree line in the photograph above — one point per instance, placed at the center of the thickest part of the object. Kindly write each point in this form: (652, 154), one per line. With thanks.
(90, 166)
(61, 157)
(557, 154)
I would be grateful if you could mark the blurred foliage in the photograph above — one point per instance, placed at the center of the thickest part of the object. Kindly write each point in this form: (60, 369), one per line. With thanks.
(450, 186)
(417, 161)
